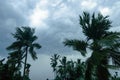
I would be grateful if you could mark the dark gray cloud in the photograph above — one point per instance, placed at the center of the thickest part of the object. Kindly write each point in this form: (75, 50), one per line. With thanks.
(54, 20)
(63, 22)
(12, 14)
(9, 19)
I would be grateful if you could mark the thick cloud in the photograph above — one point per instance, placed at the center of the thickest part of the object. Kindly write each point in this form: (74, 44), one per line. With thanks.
(9, 19)
(12, 14)
(54, 20)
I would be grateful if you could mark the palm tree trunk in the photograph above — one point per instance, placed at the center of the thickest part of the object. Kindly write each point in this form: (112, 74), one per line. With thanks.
(25, 61)
(19, 58)
(102, 71)
(88, 72)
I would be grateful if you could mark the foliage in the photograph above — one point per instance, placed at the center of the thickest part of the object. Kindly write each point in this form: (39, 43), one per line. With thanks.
(9, 70)
(25, 42)
(103, 44)
(68, 70)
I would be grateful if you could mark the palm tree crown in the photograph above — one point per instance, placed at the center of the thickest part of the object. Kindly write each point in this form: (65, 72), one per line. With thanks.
(24, 44)
(99, 40)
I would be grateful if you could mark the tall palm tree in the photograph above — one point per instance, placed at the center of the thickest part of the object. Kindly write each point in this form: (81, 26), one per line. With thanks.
(24, 44)
(100, 41)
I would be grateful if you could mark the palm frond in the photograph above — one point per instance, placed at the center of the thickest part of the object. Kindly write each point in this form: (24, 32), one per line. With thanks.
(33, 53)
(112, 66)
(15, 45)
(36, 45)
(77, 45)
(34, 38)
(18, 34)
(110, 40)
(94, 27)
(115, 58)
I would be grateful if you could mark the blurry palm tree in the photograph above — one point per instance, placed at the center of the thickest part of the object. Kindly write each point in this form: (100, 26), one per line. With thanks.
(54, 63)
(63, 68)
(75, 70)
(69, 70)
(100, 41)
(9, 70)
(24, 44)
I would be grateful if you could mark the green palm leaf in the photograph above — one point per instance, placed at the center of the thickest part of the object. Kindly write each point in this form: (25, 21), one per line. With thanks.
(25, 42)
(77, 45)
(15, 45)
(36, 45)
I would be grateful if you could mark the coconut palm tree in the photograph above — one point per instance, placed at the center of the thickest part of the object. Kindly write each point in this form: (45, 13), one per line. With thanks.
(9, 70)
(24, 44)
(80, 69)
(100, 41)
(63, 67)
(54, 62)
(75, 70)
(69, 70)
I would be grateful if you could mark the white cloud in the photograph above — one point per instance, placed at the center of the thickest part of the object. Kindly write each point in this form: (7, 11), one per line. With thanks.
(43, 3)
(88, 4)
(62, 10)
(63, 13)
(115, 12)
(105, 11)
(38, 16)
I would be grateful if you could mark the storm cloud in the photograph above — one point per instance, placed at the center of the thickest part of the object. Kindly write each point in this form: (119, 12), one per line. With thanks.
(54, 21)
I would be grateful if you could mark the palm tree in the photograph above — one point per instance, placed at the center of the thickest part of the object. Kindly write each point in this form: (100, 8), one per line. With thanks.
(100, 41)
(24, 44)
(75, 70)
(9, 70)
(54, 62)
(63, 67)
(80, 69)
(68, 70)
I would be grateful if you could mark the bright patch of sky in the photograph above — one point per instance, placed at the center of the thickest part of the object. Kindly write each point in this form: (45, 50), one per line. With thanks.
(88, 4)
(57, 20)
(105, 11)
(38, 16)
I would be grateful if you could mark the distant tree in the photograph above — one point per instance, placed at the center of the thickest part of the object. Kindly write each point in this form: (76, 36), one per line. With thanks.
(100, 41)
(54, 62)
(24, 44)
(69, 70)
(63, 68)
(9, 70)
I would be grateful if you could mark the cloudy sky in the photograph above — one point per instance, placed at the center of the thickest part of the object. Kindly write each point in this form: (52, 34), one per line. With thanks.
(54, 20)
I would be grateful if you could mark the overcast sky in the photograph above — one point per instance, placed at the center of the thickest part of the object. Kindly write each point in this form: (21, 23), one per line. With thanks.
(54, 20)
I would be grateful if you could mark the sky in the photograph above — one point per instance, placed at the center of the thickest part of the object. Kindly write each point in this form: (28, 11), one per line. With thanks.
(54, 21)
